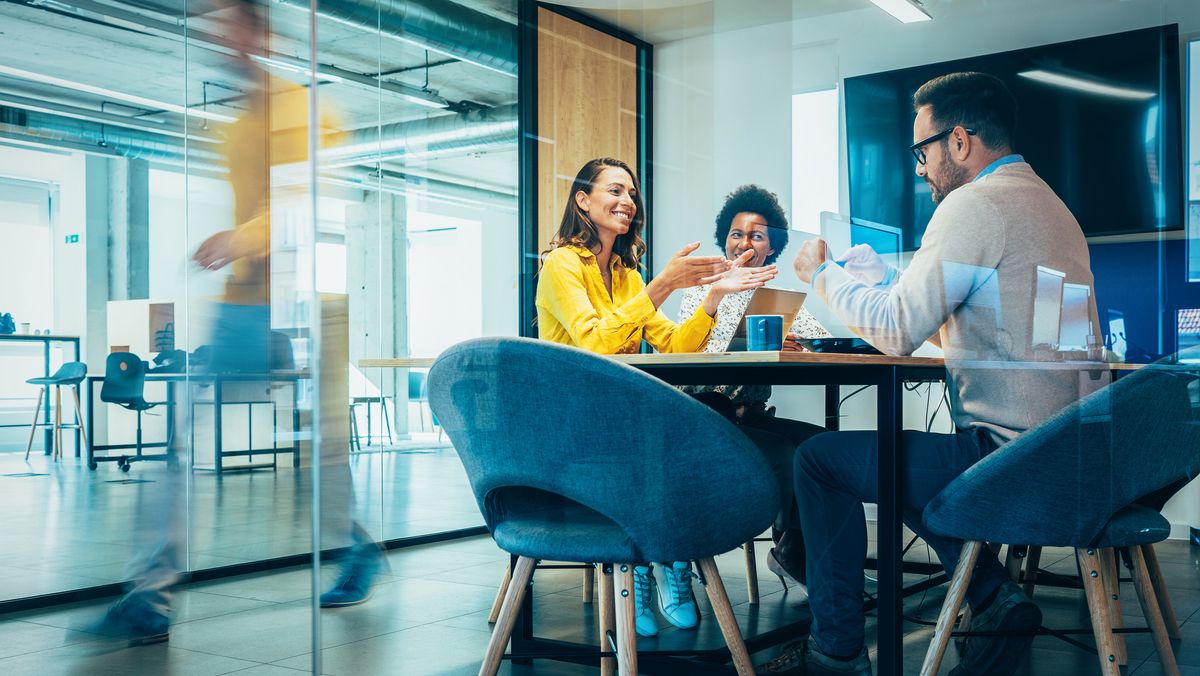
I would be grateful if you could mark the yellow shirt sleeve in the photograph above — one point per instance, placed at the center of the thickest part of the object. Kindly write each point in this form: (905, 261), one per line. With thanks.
(563, 294)
(692, 335)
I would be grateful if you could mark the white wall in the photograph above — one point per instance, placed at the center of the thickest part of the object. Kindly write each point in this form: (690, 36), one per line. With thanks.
(722, 102)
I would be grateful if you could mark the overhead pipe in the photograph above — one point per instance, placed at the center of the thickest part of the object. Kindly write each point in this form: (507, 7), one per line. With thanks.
(437, 25)
(133, 144)
(476, 130)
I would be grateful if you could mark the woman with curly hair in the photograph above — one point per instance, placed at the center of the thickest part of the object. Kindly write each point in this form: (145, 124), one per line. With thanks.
(752, 222)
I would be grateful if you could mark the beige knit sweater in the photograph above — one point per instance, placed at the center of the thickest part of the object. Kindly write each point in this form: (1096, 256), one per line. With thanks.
(971, 284)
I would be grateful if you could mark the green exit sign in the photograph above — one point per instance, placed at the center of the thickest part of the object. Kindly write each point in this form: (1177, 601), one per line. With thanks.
(71, 239)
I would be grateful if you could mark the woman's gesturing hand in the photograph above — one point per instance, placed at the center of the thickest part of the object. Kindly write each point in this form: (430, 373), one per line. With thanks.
(741, 278)
(685, 270)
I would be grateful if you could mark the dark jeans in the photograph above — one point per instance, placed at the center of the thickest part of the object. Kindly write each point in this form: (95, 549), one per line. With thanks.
(777, 439)
(835, 473)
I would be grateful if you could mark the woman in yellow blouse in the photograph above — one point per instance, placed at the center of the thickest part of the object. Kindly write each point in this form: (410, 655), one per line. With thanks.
(591, 295)
(590, 291)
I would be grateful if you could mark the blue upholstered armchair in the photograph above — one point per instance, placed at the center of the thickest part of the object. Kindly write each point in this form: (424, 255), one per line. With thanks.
(1091, 478)
(575, 457)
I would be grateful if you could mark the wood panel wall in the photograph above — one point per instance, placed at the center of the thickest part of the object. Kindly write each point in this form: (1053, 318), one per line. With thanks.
(587, 108)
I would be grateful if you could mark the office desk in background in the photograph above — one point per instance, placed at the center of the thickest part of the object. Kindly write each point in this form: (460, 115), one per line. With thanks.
(46, 341)
(217, 383)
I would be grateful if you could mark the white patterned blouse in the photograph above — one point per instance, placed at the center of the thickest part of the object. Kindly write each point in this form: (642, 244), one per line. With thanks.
(729, 313)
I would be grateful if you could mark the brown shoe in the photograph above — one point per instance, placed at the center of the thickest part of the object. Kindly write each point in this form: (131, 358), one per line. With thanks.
(801, 658)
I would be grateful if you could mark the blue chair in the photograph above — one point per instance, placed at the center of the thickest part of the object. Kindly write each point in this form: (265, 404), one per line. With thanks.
(1091, 478)
(125, 385)
(575, 457)
(69, 375)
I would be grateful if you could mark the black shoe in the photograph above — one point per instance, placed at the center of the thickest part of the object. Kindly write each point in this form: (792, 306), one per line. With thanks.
(801, 658)
(134, 622)
(354, 583)
(1011, 611)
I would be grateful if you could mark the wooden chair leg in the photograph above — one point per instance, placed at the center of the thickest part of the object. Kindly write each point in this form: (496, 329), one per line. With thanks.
(608, 665)
(626, 616)
(1160, 591)
(1032, 561)
(33, 428)
(79, 416)
(751, 573)
(1091, 568)
(504, 582)
(508, 616)
(589, 583)
(1112, 590)
(954, 599)
(1153, 611)
(725, 618)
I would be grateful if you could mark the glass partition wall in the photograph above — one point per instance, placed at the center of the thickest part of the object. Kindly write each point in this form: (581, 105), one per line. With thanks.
(167, 224)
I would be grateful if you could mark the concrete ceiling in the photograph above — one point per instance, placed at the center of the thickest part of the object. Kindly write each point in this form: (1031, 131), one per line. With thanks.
(659, 21)
(133, 48)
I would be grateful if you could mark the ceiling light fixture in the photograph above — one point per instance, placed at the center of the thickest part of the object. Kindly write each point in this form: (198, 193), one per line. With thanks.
(1085, 85)
(905, 11)
(293, 68)
(110, 94)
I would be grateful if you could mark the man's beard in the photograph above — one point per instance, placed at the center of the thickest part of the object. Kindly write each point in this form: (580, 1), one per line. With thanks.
(954, 177)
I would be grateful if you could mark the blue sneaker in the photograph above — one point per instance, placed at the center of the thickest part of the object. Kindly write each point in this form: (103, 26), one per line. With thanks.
(675, 598)
(353, 585)
(644, 622)
(134, 621)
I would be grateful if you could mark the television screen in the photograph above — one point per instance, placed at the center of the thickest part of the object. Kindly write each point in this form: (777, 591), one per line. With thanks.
(1098, 119)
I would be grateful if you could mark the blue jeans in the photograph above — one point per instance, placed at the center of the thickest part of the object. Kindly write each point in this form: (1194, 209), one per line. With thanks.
(838, 471)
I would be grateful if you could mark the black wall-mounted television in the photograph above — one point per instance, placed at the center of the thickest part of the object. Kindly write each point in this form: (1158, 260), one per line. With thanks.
(1098, 119)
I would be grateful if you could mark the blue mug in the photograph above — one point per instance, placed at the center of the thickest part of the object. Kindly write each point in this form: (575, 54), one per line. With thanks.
(764, 332)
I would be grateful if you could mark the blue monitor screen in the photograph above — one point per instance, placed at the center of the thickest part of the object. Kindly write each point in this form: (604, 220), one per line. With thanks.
(1114, 157)
(883, 239)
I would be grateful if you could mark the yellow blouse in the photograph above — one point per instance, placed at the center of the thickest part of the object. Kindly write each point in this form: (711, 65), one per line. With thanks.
(574, 308)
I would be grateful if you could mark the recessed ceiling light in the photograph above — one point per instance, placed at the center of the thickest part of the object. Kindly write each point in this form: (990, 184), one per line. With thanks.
(906, 11)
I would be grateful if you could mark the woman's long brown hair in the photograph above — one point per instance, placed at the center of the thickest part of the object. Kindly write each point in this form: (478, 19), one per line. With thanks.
(577, 228)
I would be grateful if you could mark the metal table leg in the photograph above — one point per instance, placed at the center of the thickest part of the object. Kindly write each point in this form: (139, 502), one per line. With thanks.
(889, 533)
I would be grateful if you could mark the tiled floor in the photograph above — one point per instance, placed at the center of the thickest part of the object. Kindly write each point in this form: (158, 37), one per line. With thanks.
(428, 616)
(66, 527)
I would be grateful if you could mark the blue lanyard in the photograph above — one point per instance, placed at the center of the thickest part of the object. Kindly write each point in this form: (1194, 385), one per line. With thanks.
(1007, 159)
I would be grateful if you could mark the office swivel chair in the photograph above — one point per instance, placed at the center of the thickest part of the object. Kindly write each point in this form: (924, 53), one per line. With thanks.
(560, 475)
(69, 375)
(125, 385)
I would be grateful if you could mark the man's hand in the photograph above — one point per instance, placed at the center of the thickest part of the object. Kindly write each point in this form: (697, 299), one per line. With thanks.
(812, 254)
(864, 264)
(227, 246)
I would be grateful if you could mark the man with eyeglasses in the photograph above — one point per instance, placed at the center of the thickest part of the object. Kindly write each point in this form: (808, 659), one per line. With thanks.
(995, 222)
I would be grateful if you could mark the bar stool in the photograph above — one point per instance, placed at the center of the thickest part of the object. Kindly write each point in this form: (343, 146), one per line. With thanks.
(70, 375)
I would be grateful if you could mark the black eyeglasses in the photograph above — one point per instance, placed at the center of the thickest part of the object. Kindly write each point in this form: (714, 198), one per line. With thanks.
(918, 148)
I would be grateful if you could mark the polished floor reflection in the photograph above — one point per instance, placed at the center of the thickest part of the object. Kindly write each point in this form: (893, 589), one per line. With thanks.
(427, 615)
(66, 527)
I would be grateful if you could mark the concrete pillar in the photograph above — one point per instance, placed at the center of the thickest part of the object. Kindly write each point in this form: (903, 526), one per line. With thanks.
(129, 229)
(377, 282)
(95, 290)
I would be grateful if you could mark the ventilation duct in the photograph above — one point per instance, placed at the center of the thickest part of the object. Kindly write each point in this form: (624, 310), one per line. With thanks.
(438, 25)
(56, 130)
(475, 131)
